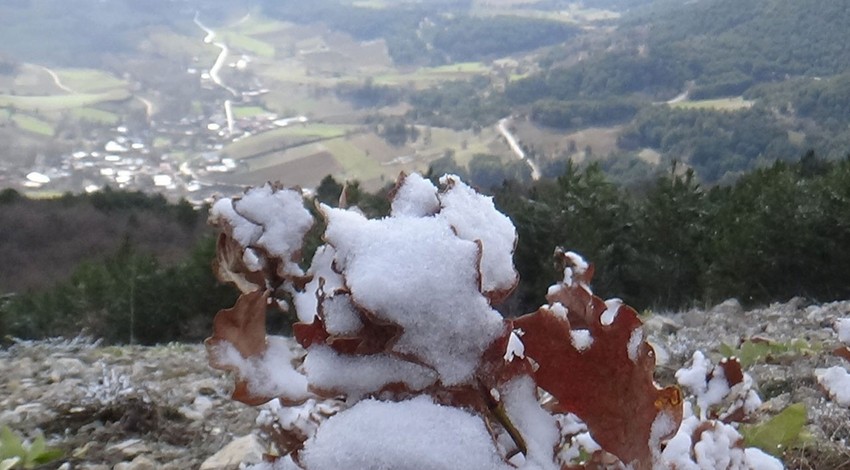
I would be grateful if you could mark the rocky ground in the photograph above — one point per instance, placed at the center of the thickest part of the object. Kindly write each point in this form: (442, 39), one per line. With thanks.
(140, 408)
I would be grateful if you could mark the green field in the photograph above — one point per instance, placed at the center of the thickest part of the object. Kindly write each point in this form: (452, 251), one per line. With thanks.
(721, 104)
(255, 25)
(89, 80)
(96, 115)
(33, 124)
(243, 43)
(427, 76)
(285, 136)
(59, 102)
(248, 111)
(356, 163)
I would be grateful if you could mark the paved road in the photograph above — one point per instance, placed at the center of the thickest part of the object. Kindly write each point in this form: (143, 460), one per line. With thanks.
(513, 143)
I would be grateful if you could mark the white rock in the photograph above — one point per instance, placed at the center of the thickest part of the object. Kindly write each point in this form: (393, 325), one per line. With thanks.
(139, 463)
(130, 447)
(245, 449)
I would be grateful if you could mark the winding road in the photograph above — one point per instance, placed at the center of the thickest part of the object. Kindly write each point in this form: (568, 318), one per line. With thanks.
(57, 80)
(216, 68)
(513, 143)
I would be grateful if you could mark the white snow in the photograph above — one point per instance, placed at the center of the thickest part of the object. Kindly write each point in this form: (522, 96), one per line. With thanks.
(708, 393)
(416, 197)
(633, 348)
(515, 346)
(271, 375)
(324, 281)
(416, 273)
(842, 326)
(357, 376)
(836, 380)
(474, 217)
(581, 339)
(340, 315)
(411, 435)
(612, 307)
(283, 218)
(537, 426)
(559, 310)
(243, 231)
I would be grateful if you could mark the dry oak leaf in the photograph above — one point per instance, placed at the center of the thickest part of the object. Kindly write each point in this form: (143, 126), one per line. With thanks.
(244, 328)
(229, 266)
(843, 352)
(608, 383)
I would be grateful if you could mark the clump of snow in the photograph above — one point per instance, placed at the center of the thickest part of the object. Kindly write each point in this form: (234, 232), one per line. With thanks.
(575, 267)
(340, 315)
(474, 217)
(536, 425)
(581, 339)
(245, 232)
(715, 446)
(270, 375)
(515, 346)
(416, 434)
(416, 273)
(416, 197)
(284, 220)
(612, 307)
(323, 280)
(268, 218)
(559, 310)
(836, 381)
(577, 438)
(635, 340)
(842, 326)
(356, 376)
(708, 392)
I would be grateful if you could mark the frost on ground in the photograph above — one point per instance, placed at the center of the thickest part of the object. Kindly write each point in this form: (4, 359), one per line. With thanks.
(408, 364)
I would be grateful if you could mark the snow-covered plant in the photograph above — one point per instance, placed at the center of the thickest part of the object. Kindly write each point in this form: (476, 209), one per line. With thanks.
(836, 379)
(396, 316)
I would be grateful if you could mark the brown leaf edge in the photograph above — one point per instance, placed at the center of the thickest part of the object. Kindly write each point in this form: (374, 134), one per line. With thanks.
(242, 326)
(615, 396)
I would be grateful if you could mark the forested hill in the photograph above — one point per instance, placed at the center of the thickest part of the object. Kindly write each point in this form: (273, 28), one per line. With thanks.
(723, 46)
(727, 45)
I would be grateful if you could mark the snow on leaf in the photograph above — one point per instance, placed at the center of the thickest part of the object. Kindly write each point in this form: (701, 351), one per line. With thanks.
(414, 196)
(230, 266)
(474, 217)
(261, 238)
(239, 344)
(413, 434)
(614, 395)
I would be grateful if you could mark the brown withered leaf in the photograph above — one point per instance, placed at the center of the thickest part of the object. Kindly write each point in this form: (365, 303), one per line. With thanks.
(614, 395)
(843, 352)
(244, 328)
(731, 371)
(229, 266)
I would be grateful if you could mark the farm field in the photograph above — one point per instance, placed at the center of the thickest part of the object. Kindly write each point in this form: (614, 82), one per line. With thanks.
(722, 104)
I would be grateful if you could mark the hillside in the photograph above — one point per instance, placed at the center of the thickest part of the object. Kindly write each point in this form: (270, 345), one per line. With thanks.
(165, 408)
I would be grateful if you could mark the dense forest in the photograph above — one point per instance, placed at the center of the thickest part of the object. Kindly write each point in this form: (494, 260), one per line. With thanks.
(777, 232)
(432, 33)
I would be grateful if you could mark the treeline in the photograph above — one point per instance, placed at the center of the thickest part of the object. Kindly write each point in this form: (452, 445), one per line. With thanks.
(129, 296)
(92, 262)
(727, 45)
(778, 232)
(576, 114)
(466, 38)
(433, 33)
(718, 145)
